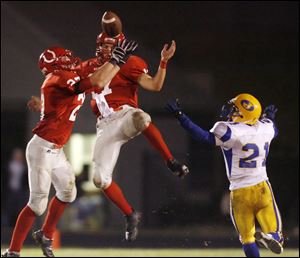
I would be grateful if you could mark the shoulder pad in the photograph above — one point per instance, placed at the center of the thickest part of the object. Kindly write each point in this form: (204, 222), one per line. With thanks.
(222, 131)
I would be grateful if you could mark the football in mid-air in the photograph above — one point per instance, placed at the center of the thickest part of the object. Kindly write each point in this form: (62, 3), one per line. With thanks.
(111, 24)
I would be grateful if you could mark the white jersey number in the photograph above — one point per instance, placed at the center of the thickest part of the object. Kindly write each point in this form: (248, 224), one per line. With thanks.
(81, 98)
(73, 115)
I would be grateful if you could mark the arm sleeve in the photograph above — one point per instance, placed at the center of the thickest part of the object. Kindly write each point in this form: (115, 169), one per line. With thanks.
(268, 120)
(223, 135)
(84, 85)
(71, 82)
(196, 131)
(276, 131)
(134, 67)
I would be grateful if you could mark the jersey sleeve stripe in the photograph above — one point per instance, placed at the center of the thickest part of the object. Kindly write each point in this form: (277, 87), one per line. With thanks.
(226, 136)
(228, 160)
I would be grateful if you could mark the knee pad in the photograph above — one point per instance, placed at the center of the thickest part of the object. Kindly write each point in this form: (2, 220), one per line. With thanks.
(38, 203)
(101, 178)
(67, 195)
(141, 120)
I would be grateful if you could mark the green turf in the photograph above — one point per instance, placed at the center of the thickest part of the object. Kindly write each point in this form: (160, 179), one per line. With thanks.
(122, 252)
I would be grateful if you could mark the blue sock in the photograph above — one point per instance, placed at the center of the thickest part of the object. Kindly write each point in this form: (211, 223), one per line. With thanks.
(251, 250)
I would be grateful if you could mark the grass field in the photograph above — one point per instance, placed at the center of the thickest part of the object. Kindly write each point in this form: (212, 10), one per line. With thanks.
(122, 252)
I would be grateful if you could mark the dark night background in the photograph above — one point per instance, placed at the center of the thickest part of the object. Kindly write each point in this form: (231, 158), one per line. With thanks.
(223, 49)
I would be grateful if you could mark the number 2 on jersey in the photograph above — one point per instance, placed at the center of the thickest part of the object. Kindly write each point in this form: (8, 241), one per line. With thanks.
(248, 162)
(81, 98)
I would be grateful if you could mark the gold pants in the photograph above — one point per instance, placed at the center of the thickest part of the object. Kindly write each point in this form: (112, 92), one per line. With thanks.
(254, 202)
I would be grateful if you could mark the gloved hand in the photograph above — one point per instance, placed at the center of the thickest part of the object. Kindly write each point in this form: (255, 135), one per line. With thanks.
(173, 106)
(270, 112)
(122, 51)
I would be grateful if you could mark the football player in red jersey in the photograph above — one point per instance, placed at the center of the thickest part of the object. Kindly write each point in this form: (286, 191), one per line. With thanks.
(62, 95)
(119, 119)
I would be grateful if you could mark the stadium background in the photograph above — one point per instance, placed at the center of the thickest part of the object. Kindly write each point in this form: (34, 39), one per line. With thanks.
(223, 49)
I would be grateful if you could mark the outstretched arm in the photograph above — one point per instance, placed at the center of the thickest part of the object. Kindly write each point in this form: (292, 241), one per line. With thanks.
(270, 113)
(196, 131)
(107, 71)
(155, 83)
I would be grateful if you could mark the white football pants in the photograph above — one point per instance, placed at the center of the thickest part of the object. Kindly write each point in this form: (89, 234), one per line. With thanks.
(112, 133)
(48, 164)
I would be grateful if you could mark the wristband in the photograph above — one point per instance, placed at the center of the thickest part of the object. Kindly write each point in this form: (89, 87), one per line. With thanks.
(163, 64)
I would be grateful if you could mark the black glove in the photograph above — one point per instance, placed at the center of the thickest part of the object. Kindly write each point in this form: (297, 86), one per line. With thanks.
(173, 106)
(270, 112)
(122, 51)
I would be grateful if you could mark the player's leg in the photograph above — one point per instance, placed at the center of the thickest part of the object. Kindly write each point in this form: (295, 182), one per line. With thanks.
(155, 138)
(269, 219)
(242, 215)
(141, 122)
(63, 180)
(106, 152)
(110, 137)
(39, 185)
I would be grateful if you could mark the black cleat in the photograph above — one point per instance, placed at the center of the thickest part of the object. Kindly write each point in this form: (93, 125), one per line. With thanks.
(45, 244)
(178, 169)
(132, 222)
(8, 253)
(268, 242)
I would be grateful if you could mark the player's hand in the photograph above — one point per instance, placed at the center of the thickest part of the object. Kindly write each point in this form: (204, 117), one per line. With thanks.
(270, 112)
(34, 104)
(173, 106)
(129, 46)
(122, 51)
(167, 53)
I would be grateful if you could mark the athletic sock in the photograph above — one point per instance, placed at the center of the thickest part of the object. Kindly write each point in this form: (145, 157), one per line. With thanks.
(115, 194)
(155, 138)
(55, 211)
(24, 223)
(251, 250)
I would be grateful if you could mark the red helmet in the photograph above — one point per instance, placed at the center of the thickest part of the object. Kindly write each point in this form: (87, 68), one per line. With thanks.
(104, 54)
(57, 58)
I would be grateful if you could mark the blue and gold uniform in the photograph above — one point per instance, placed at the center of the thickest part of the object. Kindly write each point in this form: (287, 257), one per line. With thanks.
(245, 149)
(245, 140)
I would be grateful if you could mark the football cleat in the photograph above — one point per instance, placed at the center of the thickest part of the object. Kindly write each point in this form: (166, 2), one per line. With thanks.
(8, 253)
(44, 243)
(132, 222)
(268, 242)
(178, 169)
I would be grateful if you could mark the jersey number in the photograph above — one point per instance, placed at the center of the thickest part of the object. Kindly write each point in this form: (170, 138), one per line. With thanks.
(248, 162)
(81, 97)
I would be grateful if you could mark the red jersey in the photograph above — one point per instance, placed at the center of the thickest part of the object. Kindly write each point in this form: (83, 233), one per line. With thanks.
(60, 105)
(122, 89)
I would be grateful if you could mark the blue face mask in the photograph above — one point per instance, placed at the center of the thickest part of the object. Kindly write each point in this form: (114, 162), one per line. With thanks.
(228, 110)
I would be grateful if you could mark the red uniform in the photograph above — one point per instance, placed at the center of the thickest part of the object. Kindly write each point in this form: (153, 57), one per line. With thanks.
(60, 104)
(123, 87)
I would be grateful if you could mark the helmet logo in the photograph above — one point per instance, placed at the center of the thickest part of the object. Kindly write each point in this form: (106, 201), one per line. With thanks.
(246, 104)
(49, 60)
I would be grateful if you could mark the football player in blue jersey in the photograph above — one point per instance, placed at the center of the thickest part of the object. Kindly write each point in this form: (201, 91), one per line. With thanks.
(245, 139)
